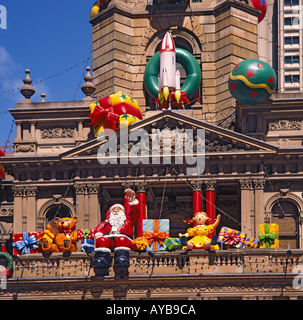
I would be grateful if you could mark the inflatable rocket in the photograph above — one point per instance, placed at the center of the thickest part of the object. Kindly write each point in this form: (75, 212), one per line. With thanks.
(169, 77)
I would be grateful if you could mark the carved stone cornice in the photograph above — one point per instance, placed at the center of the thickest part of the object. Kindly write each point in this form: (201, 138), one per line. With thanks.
(80, 188)
(259, 183)
(18, 191)
(93, 187)
(245, 184)
(210, 185)
(141, 187)
(31, 191)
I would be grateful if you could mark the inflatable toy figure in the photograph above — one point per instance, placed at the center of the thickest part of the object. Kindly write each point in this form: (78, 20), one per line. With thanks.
(2, 171)
(114, 111)
(162, 80)
(65, 239)
(200, 232)
(115, 233)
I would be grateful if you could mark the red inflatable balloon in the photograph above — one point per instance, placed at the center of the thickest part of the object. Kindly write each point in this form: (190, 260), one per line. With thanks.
(260, 5)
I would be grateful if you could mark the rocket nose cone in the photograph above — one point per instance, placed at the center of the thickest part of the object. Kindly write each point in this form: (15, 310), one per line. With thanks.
(167, 43)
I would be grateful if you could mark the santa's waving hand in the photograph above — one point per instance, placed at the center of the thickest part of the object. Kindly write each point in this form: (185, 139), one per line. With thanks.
(115, 233)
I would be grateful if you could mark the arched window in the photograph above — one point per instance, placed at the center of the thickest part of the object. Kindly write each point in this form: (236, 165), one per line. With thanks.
(286, 215)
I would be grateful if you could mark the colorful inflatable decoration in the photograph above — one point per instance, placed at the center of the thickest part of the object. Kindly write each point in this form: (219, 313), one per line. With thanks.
(113, 112)
(260, 5)
(98, 6)
(10, 263)
(65, 239)
(200, 232)
(162, 80)
(2, 170)
(252, 81)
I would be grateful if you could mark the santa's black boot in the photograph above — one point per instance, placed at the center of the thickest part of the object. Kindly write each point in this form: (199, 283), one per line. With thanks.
(101, 263)
(121, 263)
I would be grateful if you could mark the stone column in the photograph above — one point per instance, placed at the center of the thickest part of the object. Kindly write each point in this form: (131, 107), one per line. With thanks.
(210, 201)
(31, 210)
(246, 186)
(197, 196)
(32, 129)
(259, 202)
(141, 196)
(18, 209)
(18, 130)
(80, 204)
(94, 205)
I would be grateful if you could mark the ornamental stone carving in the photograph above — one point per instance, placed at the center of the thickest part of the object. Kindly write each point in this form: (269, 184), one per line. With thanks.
(259, 183)
(24, 148)
(31, 191)
(141, 187)
(18, 191)
(217, 146)
(284, 125)
(93, 187)
(210, 185)
(54, 133)
(196, 185)
(246, 184)
(7, 210)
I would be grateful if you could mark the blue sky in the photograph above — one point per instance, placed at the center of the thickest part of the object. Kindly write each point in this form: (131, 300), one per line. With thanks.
(47, 37)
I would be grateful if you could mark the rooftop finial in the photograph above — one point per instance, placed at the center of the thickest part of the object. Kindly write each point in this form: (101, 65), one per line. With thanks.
(88, 88)
(27, 90)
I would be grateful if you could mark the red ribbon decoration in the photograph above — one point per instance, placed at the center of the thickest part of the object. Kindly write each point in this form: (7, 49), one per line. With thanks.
(231, 238)
(101, 115)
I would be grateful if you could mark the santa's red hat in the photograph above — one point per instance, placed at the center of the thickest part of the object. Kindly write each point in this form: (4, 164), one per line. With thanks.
(111, 208)
(134, 203)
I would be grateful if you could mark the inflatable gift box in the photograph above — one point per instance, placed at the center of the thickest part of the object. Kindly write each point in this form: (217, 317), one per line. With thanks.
(140, 244)
(87, 245)
(172, 243)
(87, 239)
(26, 243)
(251, 243)
(156, 231)
(231, 237)
(269, 235)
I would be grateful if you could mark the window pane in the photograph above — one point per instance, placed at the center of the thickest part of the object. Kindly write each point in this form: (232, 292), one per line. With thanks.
(288, 21)
(287, 59)
(295, 59)
(288, 79)
(295, 40)
(287, 40)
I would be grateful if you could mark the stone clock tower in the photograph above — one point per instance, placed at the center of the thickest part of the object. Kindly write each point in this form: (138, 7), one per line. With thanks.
(219, 34)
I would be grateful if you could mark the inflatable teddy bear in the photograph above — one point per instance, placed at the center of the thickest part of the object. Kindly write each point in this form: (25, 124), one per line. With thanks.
(62, 241)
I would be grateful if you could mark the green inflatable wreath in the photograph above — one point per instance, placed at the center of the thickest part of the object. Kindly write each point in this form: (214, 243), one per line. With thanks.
(189, 63)
(10, 261)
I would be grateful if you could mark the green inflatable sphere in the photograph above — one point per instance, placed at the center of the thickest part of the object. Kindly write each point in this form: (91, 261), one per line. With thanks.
(252, 81)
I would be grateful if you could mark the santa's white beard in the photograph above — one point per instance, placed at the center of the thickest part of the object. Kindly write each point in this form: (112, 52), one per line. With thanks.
(116, 220)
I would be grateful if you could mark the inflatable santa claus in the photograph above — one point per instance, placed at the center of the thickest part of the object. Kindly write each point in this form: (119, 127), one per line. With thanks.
(115, 233)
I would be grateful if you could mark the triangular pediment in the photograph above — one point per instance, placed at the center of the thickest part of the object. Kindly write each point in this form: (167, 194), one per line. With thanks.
(218, 140)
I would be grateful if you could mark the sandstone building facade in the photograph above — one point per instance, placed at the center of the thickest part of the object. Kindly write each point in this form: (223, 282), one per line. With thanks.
(253, 155)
